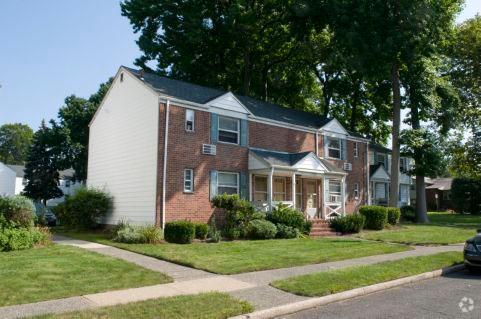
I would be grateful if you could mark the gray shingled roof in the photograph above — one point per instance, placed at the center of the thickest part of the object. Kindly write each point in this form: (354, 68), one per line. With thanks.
(20, 171)
(289, 159)
(201, 94)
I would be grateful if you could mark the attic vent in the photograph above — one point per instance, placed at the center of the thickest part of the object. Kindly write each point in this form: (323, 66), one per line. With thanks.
(347, 166)
(209, 149)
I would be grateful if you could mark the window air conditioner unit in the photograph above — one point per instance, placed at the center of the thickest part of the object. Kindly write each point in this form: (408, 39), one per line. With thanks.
(209, 149)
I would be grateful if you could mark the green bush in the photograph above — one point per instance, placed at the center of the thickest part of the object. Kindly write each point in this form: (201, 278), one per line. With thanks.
(465, 195)
(201, 231)
(348, 224)
(408, 213)
(238, 214)
(22, 238)
(376, 216)
(180, 232)
(18, 210)
(130, 234)
(288, 216)
(393, 215)
(84, 209)
(287, 232)
(261, 229)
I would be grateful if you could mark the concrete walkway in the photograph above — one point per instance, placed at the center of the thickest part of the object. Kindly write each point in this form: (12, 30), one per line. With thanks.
(253, 287)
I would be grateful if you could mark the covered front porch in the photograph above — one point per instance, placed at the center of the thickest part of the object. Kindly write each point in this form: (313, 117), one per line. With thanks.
(299, 180)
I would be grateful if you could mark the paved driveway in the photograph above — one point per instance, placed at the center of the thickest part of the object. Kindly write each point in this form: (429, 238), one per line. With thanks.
(434, 298)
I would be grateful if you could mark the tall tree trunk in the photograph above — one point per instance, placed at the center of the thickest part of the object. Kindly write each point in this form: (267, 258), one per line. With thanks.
(421, 209)
(355, 101)
(396, 123)
(247, 72)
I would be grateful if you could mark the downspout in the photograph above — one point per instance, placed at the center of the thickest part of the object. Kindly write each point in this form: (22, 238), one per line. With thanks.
(317, 143)
(367, 175)
(164, 169)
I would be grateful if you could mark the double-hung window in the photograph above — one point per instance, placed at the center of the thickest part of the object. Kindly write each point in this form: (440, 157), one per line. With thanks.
(355, 149)
(228, 183)
(188, 180)
(335, 191)
(189, 120)
(381, 159)
(334, 148)
(229, 130)
(356, 190)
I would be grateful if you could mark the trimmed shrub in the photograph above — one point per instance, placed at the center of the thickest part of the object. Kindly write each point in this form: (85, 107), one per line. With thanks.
(393, 215)
(85, 208)
(261, 229)
(287, 232)
(129, 234)
(179, 232)
(376, 216)
(348, 224)
(42, 236)
(238, 214)
(465, 195)
(18, 209)
(408, 213)
(288, 216)
(17, 239)
(201, 231)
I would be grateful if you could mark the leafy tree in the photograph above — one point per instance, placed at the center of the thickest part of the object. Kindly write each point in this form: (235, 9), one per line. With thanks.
(465, 69)
(380, 37)
(43, 163)
(466, 157)
(15, 140)
(75, 117)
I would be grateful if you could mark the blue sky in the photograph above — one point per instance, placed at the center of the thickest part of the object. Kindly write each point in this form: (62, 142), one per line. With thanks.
(53, 48)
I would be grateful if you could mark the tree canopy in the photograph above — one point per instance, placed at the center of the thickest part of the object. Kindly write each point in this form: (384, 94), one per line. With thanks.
(15, 139)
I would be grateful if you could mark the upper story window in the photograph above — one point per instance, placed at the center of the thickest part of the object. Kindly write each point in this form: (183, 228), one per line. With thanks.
(188, 180)
(229, 131)
(381, 159)
(403, 164)
(355, 149)
(372, 160)
(228, 183)
(189, 120)
(334, 148)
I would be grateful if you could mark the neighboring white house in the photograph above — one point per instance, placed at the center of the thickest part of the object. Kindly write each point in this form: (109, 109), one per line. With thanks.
(7, 180)
(12, 182)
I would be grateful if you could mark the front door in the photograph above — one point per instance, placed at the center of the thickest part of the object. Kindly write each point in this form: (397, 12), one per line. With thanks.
(312, 198)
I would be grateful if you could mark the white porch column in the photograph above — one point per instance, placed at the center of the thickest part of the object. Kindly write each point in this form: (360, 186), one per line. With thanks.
(293, 186)
(250, 187)
(269, 187)
(343, 195)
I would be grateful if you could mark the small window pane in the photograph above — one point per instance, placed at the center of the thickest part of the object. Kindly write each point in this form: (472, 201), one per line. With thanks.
(260, 196)
(226, 179)
(227, 190)
(279, 185)
(226, 123)
(189, 120)
(334, 143)
(229, 137)
(334, 153)
(260, 184)
(334, 187)
(188, 180)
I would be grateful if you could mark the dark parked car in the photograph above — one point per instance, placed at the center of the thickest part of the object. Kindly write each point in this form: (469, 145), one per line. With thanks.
(44, 212)
(472, 252)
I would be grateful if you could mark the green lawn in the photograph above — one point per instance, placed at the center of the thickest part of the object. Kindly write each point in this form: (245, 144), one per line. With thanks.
(244, 256)
(331, 282)
(443, 229)
(61, 271)
(202, 306)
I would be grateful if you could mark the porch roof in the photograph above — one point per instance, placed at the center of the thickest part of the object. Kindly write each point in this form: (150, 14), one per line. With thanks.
(261, 158)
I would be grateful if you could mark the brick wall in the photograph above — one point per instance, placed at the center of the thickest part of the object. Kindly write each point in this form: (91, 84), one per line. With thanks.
(185, 151)
(280, 139)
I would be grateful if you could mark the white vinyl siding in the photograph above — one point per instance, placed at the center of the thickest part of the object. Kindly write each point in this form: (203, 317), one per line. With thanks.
(123, 151)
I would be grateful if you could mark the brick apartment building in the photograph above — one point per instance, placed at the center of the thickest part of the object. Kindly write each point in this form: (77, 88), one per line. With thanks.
(163, 148)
